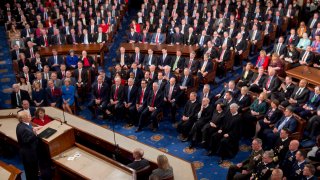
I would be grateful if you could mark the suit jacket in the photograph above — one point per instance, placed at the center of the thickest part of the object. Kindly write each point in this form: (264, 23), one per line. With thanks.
(138, 74)
(51, 60)
(133, 95)
(229, 42)
(126, 59)
(261, 80)
(177, 38)
(226, 55)
(144, 98)
(193, 39)
(15, 54)
(248, 78)
(309, 58)
(24, 95)
(28, 53)
(291, 124)
(161, 38)
(28, 142)
(164, 62)
(119, 96)
(54, 97)
(180, 63)
(90, 38)
(274, 117)
(302, 97)
(103, 94)
(194, 65)
(257, 37)
(134, 37)
(244, 101)
(206, 114)
(213, 53)
(175, 92)
(137, 165)
(189, 81)
(273, 84)
(241, 45)
(315, 103)
(70, 39)
(294, 40)
(84, 76)
(55, 39)
(158, 100)
(208, 68)
(282, 50)
(145, 38)
(103, 37)
(140, 58)
(205, 39)
(154, 60)
(268, 29)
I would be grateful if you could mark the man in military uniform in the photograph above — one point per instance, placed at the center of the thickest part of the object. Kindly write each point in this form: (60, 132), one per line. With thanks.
(282, 145)
(298, 166)
(247, 165)
(263, 170)
(289, 158)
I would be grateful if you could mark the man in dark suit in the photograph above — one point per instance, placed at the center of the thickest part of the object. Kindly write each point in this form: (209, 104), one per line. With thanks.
(53, 95)
(133, 37)
(285, 90)
(192, 63)
(257, 81)
(299, 96)
(226, 40)
(15, 52)
(164, 59)
(189, 37)
(100, 37)
(243, 100)
(55, 61)
(280, 48)
(159, 78)
(177, 62)
(27, 108)
(311, 105)
(189, 116)
(73, 38)
(137, 57)
(177, 37)
(171, 96)
(271, 83)
(18, 96)
(287, 121)
(224, 56)
(25, 33)
(210, 50)
(130, 97)
(57, 38)
(239, 47)
(205, 68)
(138, 74)
(230, 87)
(27, 75)
(99, 96)
(81, 77)
(145, 37)
(153, 108)
(157, 37)
(186, 81)
(28, 145)
(254, 37)
(141, 102)
(139, 162)
(123, 59)
(203, 116)
(116, 98)
(202, 39)
(150, 59)
(306, 56)
(85, 38)
(314, 21)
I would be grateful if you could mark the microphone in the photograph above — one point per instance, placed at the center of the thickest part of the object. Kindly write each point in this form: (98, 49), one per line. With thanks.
(64, 117)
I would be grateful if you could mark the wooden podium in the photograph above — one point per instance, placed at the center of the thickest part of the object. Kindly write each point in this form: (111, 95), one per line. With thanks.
(9, 172)
(61, 140)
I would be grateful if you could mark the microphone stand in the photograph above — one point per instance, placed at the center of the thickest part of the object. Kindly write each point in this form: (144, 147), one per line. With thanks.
(116, 146)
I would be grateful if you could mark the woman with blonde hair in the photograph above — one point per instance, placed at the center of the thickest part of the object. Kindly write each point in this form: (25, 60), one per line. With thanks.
(263, 60)
(164, 169)
(38, 94)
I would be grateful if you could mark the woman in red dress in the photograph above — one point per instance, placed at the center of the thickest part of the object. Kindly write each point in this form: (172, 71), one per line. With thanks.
(104, 26)
(136, 26)
(41, 118)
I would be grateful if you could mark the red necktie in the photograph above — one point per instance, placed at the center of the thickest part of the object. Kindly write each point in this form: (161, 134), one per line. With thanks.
(190, 63)
(137, 59)
(157, 38)
(141, 97)
(115, 97)
(268, 83)
(46, 41)
(153, 99)
(27, 79)
(52, 91)
(99, 89)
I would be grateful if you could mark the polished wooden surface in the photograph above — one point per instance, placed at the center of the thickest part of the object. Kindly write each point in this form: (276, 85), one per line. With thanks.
(8, 128)
(172, 49)
(61, 140)
(182, 169)
(311, 74)
(90, 166)
(9, 172)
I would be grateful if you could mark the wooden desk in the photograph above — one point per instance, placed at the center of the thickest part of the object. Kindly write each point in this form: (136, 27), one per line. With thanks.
(9, 172)
(90, 166)
(98, 49)
(172, 49)
(311, 74)
(8, 131)
(181, 168)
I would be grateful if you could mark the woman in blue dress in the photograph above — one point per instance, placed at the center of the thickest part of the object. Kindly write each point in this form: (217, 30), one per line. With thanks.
(68, 92)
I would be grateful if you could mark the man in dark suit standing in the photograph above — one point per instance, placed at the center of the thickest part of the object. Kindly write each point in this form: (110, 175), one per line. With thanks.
(153, 108)
(177, 62)
(18, 96)
(133, 37)
(189, 38)
(141, 101)
(149, 59)
(53, 95)
(100, 96)
(81, 77)
(73, 38)
(137, 57)
(205, 68)
(164, 59)
(28, 145)
(239, 47)
(171, 96)
(203, 117)
(116, 98)
(224, 56)
(299, 96)
(139, 162)
(100, 37)
(130, 97)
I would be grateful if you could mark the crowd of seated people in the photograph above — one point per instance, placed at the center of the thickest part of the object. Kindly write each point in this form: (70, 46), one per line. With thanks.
(264, 103)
